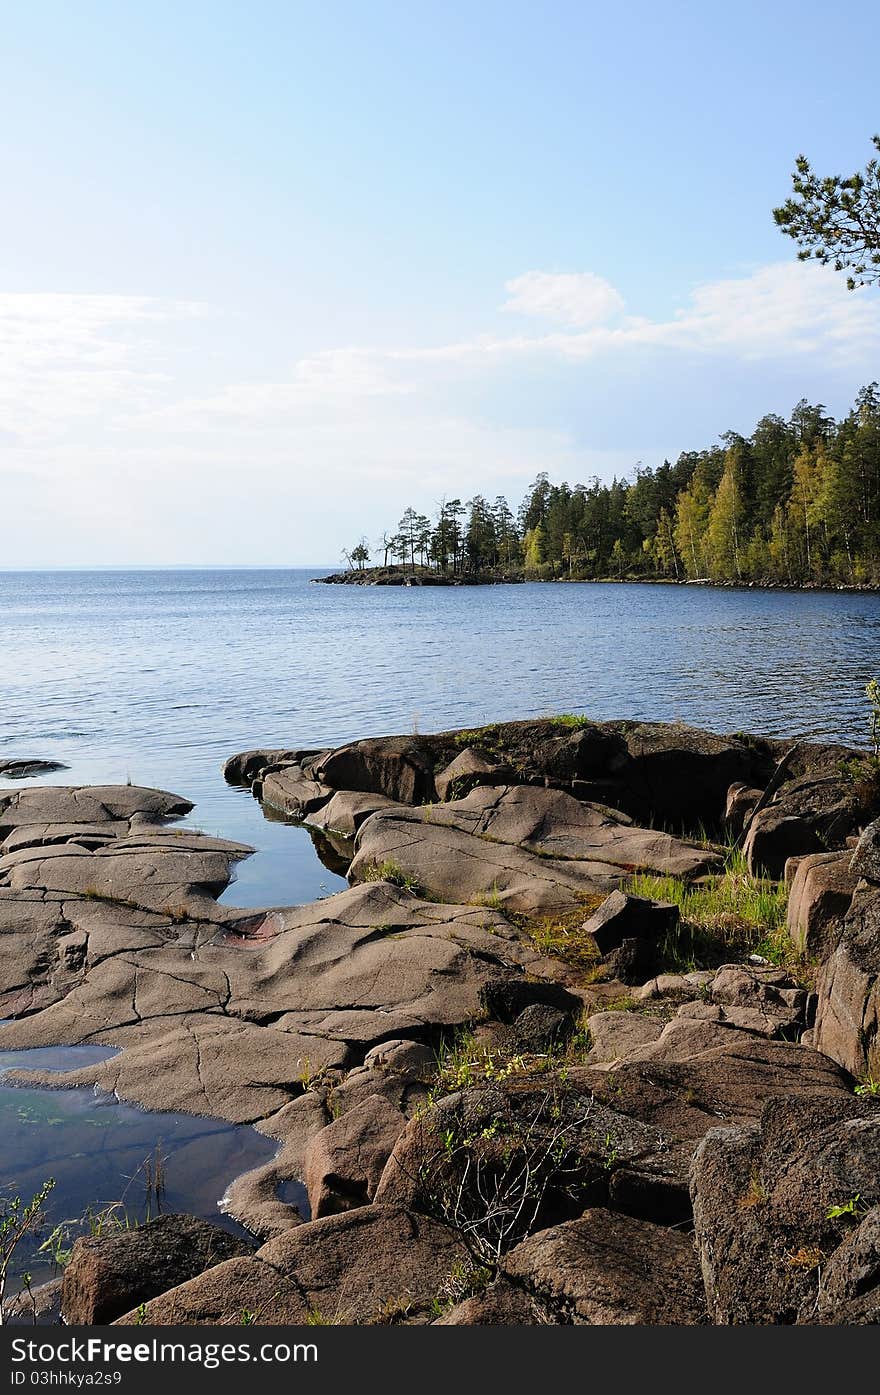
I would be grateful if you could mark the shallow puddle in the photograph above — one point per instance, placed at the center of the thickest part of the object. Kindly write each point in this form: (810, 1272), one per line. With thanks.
(103, 1153)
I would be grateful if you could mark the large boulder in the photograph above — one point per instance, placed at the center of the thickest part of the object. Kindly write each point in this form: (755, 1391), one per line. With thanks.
(396, 766)
(344, 1162)
(850, 1292)
(848, 1011)
(378, 1264)
(774, 1202)
(821, 894)
(822, 790)
(679, 775)
(496, 1161)
(605, 1269)
(250, 766)
(499, 1304)
(345, 811)
(773, 837)
(614, 1034)
(109, 1274)
(866, 858)
(292, 792)
(467, 772)
(622, 916)
(739, 805)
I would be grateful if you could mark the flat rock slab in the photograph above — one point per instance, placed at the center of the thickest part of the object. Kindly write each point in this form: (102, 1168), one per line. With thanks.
(124, 945)
(533, 850)
(88, 804)
(166, 876)
(454, 865)
(26, 769)
(553, 824)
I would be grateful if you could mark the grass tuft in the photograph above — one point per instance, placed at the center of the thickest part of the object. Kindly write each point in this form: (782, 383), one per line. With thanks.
(721, 916)
(391, 871)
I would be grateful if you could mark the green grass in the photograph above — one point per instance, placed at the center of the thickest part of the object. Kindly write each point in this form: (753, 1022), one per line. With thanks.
(575, 720)
(391, 871)
(722, 916)
(477, 736)
(466, 1062)
(563, 937)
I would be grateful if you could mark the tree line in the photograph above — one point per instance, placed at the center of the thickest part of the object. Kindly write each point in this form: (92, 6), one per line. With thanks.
(795, 503)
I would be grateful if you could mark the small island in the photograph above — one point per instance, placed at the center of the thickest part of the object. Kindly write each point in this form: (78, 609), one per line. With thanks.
(796, 504)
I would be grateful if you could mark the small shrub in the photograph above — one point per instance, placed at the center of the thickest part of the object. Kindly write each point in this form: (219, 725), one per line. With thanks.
(806, 1259)
(18, 1219)
(855, 1209)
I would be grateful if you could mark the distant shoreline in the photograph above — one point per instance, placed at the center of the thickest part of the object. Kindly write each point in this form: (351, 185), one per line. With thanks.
(397, 576)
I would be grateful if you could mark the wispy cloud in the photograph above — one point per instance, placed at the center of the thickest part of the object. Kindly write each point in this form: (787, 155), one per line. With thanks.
(134, 428)
(63, 357)
(571, 298)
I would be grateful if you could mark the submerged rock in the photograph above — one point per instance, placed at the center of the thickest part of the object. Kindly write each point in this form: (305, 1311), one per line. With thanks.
(25, 769)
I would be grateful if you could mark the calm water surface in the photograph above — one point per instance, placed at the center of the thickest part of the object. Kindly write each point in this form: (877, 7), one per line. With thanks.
(158, 676)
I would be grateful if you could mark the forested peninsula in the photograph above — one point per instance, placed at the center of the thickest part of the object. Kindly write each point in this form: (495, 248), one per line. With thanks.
(797, 503)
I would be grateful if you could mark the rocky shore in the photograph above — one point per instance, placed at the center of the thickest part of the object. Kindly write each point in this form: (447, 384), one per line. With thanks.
(511, 1095)
(495, 576)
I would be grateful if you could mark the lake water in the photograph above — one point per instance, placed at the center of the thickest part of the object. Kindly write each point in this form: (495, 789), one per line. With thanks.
(159, 676)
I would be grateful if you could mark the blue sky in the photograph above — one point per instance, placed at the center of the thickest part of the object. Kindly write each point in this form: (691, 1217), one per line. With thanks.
(269, 272)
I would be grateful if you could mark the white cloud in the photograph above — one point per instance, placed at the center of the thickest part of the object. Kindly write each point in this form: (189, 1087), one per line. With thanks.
(138, 429)
(64, 357)
(787, 309)
(571, 298)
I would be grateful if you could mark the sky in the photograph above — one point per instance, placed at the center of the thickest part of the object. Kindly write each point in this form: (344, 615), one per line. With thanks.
(272, 271)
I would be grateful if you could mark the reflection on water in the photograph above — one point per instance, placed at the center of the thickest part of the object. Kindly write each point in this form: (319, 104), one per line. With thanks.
(103, 1153)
